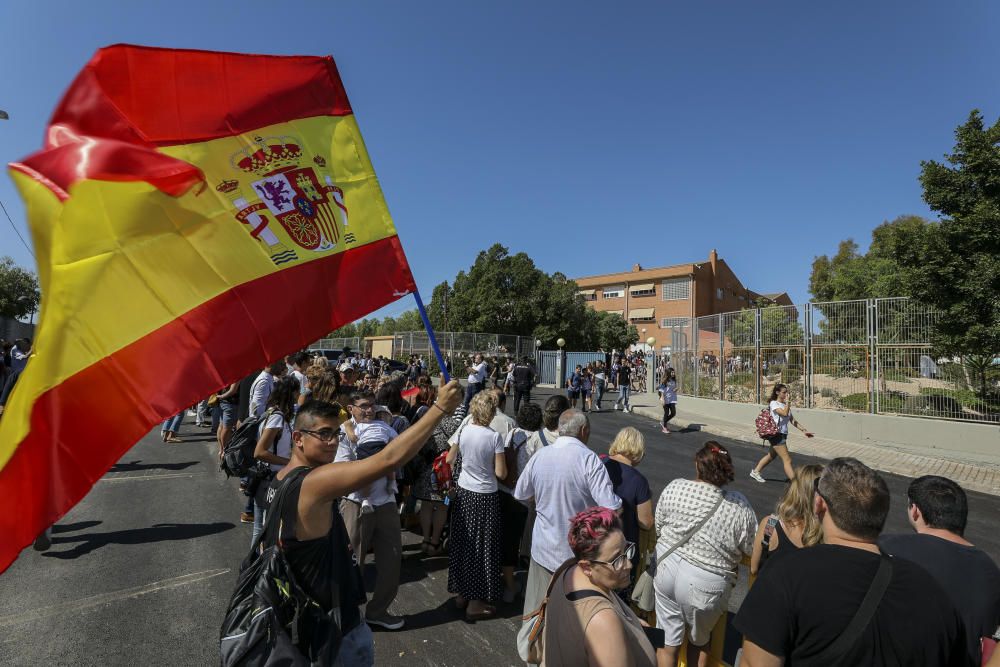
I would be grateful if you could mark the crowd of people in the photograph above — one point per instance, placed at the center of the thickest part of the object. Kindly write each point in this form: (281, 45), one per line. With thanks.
(15, 358)
(496, 493)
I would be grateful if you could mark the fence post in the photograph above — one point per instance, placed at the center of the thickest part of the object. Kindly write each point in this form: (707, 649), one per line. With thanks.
(758, 362)
(695, 358)
(722, 359)
(872, 320)
(807, 378)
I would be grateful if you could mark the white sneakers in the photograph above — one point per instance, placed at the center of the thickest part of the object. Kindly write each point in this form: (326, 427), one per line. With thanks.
(754, 475)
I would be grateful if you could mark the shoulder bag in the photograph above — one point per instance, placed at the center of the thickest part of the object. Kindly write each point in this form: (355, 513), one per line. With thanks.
(643, 594)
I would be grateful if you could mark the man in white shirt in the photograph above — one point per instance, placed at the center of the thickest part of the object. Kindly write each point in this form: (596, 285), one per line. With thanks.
(19, 354)
(298, 364)
(260, 391)
(477, 378)
(560, 481)
(379, 527)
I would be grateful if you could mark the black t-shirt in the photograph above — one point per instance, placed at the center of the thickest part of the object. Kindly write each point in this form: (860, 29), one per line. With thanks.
(523, 376)
(798, 608)
(624, 374)
(320, 563)
(969, 577)
(633, 488)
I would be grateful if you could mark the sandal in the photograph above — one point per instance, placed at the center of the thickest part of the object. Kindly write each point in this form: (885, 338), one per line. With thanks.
(174, 438)
(487, 612)
(461, 603)
(434, 549)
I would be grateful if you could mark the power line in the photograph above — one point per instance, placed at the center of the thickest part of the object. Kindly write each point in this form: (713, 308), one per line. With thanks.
(14, 227)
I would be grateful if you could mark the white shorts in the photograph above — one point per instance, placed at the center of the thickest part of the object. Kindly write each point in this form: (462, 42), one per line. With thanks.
(688, 597)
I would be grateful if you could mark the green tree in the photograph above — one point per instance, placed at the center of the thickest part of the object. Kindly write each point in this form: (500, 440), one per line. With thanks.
(19, 295)
(956, 268)
(613, 332)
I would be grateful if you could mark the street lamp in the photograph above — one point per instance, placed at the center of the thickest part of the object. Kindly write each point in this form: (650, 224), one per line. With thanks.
(561, 342)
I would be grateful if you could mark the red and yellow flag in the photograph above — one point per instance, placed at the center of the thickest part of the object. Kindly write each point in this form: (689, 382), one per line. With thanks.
(194, 215)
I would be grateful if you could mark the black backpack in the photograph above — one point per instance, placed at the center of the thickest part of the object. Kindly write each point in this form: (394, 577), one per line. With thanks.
(237, 457)
(270, 619)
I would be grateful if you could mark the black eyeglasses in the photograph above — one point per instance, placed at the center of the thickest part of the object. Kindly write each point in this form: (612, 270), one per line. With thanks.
(619, 562)
(324, 435)
(817, 491)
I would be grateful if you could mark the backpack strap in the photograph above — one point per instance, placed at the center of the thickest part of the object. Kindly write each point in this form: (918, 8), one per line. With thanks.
(862, 618)
(271, 533)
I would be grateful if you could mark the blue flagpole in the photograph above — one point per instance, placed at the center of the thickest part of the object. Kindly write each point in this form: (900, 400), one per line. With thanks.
(430, 335)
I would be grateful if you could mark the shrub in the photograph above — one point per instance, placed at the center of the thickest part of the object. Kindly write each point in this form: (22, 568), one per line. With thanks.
(826, 392)
(856, 402)
(932, 405)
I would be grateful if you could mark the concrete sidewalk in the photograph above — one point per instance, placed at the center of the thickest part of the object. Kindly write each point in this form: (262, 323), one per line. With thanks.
(972, 475)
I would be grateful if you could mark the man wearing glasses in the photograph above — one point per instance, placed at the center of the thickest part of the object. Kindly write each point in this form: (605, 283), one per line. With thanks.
(313, 534)
(809, 607)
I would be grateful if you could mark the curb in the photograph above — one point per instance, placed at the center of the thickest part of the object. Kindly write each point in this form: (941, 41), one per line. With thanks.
(981, 477)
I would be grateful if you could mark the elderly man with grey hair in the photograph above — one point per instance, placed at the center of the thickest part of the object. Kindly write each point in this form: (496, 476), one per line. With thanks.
(560, 481)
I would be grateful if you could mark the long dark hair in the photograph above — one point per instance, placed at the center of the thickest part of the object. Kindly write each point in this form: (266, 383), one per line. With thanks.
(774, 392)
(284, 395)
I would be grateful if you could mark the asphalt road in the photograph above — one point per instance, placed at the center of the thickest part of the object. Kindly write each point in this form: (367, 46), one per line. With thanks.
(141, 570)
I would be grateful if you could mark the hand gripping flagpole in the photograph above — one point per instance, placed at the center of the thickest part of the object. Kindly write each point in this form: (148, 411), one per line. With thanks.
(430, 335)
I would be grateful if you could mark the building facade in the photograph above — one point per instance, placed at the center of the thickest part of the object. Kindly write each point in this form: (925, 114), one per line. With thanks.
(654, 300)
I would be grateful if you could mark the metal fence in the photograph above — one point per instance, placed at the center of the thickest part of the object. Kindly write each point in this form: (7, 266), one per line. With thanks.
(452, 343)
(870, 355)
(337, 344)
(455, 343)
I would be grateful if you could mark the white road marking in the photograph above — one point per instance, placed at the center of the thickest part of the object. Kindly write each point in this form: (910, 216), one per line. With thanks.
(107, 598)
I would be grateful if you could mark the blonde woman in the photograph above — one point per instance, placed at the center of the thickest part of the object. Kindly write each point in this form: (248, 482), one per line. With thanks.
(793, 524)
(474, 542)
(627, 450)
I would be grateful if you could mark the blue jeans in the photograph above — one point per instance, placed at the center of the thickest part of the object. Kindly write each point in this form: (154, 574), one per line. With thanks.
(172, 424)
(357, 648)
(599, 394)
(470, 391)
(623, 393)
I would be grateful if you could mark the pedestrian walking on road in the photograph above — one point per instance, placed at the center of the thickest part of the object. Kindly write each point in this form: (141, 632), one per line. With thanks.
(780, 405)
(600, 384)
(623, 377)
(574, 384)
(668, 397)
(474, 537)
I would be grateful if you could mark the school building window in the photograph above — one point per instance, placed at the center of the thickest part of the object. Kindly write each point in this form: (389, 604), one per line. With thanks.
(676, 288)
(614, 292)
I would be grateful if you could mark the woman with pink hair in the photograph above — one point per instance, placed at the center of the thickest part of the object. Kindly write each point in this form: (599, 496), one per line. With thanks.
(585, 622)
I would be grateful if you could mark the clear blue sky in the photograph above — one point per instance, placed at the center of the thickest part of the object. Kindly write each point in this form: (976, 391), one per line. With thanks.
(589, 135)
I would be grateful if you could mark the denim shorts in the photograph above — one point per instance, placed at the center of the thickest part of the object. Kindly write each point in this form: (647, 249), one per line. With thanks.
(777, 439)
(228, 413)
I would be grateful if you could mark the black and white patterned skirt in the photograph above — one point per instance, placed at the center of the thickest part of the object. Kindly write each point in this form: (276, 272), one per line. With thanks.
(474, 545)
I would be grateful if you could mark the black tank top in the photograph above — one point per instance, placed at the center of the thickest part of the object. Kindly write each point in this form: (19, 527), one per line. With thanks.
(324, 564)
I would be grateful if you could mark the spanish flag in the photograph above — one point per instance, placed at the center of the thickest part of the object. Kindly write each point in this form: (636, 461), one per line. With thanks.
(195, 214)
